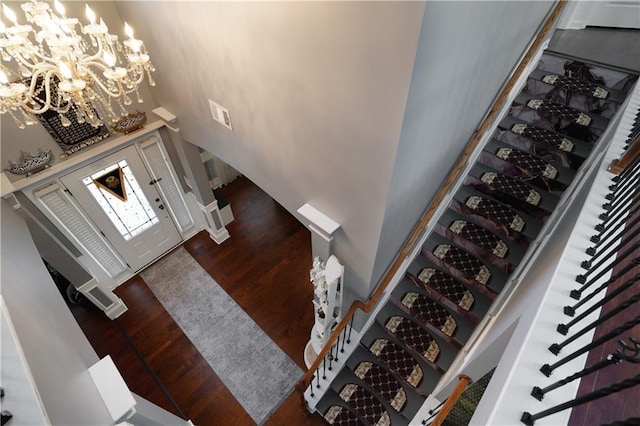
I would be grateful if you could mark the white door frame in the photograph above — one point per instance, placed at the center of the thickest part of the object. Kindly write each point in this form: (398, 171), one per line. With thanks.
(143, 248)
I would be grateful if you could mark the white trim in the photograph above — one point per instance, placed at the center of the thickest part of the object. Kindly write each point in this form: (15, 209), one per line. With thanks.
(112, 388)
(321, 220)
(79, 159)
(28, 375)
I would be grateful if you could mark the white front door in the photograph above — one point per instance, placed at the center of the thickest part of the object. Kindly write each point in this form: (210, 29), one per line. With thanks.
(119, 196)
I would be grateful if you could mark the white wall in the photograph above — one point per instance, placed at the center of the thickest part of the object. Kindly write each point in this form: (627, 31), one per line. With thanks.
(466, 53)
(57, 351)
(316, 93)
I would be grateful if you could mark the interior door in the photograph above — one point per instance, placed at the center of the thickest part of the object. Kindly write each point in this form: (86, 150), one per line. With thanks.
(118, 195)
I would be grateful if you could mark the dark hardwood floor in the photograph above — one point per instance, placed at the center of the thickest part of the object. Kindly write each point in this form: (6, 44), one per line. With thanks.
(264, 267)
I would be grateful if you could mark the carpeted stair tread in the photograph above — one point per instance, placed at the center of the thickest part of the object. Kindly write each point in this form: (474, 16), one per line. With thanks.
(430, 314)
(433, 279)
(563, 115)
(549, 173)
(478, 240)
(479, 236)
(383, 383)
(606, 76)
(341, 416)
(449, 347)
(398, 360)
(497, 217)
(514, 191)
(460, 263)
(520, 110)
(577, 86)
(466, 298)
(540, 141)
(576, 94)
(508, 155)
(365, 404)
(415, 337)
(449, 292)
(380, 373)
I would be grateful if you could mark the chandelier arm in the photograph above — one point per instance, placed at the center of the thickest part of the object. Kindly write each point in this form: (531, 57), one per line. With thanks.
(96, 79)
(96, 56)
(47, 90)
(22, 60)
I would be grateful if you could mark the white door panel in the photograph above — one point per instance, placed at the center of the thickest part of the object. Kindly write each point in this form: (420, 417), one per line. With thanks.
(130, 213)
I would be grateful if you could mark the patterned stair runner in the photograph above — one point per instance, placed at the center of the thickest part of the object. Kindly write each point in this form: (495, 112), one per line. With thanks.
(500, 215)
(415, 337)
(480, 237)
(398, 360)
(365, 404)
(340, 416)
(470, 267)
(543, 136)
(383, 383)
(430, 314)
(498, 211)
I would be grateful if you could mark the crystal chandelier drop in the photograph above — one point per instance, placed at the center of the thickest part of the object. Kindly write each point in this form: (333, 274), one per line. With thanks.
(54, 68)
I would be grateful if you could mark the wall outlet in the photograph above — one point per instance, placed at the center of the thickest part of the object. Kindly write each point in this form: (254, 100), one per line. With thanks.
(220, 114)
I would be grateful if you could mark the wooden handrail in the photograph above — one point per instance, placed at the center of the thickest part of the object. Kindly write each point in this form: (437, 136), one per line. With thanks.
(463, 382)
(620, 165)
(458, 167)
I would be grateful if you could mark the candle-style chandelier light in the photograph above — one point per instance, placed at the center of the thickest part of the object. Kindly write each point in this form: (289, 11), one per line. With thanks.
(54, 68)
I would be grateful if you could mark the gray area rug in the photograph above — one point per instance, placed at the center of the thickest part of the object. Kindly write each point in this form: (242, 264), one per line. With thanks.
(254, 369)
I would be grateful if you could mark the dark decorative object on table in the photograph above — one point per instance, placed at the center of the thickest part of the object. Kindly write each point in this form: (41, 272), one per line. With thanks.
(72, 130)
(130, 122)
(30, 162)
(6, 416)
(72, 136)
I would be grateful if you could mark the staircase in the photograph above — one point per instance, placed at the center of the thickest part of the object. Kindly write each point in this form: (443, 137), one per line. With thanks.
(486, 234)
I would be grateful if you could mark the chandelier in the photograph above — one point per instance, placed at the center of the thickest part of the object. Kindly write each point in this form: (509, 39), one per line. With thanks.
(55, 68)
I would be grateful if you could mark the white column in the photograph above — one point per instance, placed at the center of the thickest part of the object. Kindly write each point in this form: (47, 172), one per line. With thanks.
(322, 229)
(214, 223)
(103, 298)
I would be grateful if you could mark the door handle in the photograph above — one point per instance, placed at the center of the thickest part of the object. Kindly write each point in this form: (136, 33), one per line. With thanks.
(154, 181)
(161, 206)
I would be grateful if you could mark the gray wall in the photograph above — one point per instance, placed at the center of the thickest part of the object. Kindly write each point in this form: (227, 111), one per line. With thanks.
(467, 51)
(57, 351)
(316, 93)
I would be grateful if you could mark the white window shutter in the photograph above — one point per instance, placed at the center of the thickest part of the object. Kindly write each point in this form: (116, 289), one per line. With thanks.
(157, 161)
(62, 208)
